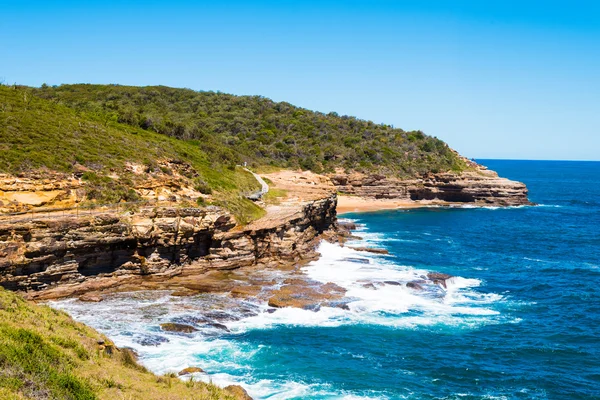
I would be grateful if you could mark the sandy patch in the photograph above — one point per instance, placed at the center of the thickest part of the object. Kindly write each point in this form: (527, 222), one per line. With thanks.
(348, 204)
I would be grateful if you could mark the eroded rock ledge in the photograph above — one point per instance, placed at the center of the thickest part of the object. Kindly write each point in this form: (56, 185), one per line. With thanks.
(70, 256)
(480, 187)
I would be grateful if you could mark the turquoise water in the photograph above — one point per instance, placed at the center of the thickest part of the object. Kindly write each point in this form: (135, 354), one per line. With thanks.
(520, 320)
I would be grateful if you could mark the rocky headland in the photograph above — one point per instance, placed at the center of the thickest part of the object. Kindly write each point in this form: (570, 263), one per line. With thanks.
(60, 254)
(151, 195)
(480, 187)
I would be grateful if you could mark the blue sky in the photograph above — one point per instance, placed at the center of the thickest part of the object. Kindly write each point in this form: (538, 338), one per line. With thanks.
(495, 79)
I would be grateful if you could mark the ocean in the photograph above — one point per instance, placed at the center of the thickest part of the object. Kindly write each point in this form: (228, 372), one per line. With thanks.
(519, 320)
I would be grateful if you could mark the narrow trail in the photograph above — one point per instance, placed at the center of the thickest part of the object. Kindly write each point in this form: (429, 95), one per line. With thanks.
(264, 187)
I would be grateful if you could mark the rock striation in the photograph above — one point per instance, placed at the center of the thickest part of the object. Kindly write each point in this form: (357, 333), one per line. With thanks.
(71, 256)
(478, 187)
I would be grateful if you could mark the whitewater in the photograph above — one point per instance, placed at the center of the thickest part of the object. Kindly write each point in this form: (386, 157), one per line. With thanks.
(510, 323)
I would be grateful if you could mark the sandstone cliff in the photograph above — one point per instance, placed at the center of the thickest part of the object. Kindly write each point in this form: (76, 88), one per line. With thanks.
(71, 255)
(478, 187)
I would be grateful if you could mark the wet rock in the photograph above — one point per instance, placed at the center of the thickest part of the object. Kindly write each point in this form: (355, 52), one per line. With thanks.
(179, 328)
(238, 392)
(369, 286)
(152, 340)
(246, 291)
(343, 306)
(91, 297)
(162, 248)
(306, 295)
(393, 283)
(190, 370)
(220, 316)
(439, 278)
(414, 285)
(219, 326)
(190, 320)
(184, 293)
(438, 275)
(370, 250)
(347, 225)
(357, 260)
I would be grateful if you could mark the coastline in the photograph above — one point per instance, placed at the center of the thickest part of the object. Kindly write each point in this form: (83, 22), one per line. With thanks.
(348, 204)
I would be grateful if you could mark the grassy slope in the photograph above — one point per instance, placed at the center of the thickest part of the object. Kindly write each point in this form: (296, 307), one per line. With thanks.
(45, 354)
(39, 134)
(262, 132)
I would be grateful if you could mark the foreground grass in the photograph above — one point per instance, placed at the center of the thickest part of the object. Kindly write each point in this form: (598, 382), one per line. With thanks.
(44, 354)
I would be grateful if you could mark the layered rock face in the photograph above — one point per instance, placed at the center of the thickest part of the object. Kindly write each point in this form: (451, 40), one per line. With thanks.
(69, 256)
(23, 193)
(171, 181)
(481, 187)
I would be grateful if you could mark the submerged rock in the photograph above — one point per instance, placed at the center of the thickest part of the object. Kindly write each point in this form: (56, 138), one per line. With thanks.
(180, 328)
(357, 260)
(393, 283)
(414, 285)
(369, 286)
(152, 340)
(218, 326)
(370, 250)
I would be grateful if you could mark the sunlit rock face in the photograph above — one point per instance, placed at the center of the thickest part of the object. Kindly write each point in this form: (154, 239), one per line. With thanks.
(72, 255)
(482, 187)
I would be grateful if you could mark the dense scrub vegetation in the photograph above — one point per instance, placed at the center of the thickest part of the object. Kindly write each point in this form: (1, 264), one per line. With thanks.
(257, 130)
(38, 135)
(44, 354)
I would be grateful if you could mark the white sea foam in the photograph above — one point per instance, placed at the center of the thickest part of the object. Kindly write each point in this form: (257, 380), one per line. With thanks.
(377, 293)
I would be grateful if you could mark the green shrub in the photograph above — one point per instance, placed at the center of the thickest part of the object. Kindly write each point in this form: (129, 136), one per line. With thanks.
(231, 128)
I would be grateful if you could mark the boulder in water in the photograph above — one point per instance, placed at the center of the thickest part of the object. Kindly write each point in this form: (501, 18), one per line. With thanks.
(369, 286)
(219, 326)
(307, 295)
(357, 260)
(190, 370)
(439, 278)
(347, 225)
(393, 283)
(414, 285)
(179, 328)
(370, 250)
(152, 340)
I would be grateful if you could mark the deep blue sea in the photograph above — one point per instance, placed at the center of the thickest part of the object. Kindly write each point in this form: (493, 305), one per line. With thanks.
(520, 320)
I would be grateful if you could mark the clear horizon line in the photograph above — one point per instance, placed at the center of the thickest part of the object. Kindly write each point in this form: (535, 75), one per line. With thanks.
(533, 159)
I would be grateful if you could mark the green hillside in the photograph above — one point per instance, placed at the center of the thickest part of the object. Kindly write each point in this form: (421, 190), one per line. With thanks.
(38, 135)
(260, 131)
